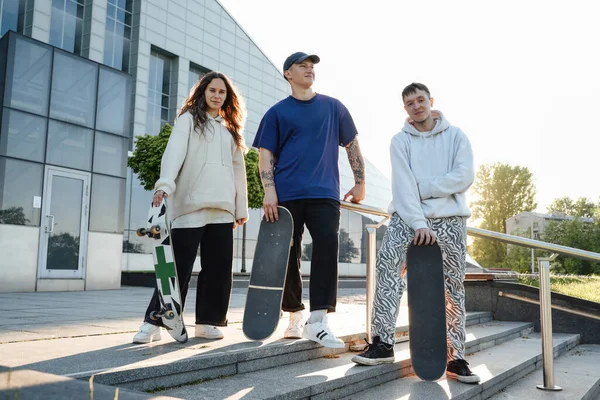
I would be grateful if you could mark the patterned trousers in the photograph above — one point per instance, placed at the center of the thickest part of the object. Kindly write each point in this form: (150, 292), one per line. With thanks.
(451, 236)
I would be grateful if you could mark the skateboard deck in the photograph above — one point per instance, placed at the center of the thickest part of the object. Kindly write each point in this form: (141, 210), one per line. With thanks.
(267, 278)
(167, 282)
(426, 311)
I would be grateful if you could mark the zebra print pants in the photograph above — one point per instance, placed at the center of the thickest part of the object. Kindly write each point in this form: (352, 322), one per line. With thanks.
(451, 235)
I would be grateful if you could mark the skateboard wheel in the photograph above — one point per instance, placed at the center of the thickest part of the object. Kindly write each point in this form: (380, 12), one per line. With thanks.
(153, 316)
(155, 229)
(141, 232)
(169, 315)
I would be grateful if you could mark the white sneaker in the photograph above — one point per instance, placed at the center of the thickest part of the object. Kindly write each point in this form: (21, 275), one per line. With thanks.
(319, 332)
(147, 333)
(294, 329)
(208, 332)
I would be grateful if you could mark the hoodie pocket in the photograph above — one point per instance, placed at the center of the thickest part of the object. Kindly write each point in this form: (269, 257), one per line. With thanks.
(214, 185)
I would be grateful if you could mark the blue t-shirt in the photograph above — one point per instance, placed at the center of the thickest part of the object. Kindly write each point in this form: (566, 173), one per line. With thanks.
(304, 137)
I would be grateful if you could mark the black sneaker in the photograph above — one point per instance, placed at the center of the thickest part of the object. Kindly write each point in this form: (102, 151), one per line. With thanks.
(459, 370)
(376, 353)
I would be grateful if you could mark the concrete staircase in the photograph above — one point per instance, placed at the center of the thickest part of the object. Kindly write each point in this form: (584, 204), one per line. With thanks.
(507, 356)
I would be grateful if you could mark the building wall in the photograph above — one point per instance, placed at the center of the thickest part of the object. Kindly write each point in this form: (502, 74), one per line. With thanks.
(18, 264)
(188, 38)
(70, 114)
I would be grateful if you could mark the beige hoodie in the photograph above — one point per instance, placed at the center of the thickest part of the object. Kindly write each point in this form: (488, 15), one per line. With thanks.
(203, 171)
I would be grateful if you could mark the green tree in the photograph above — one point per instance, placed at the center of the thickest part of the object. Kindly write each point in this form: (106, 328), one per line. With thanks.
(145, 161)
(501, 191)
(256, 193)
(582, 207)
(578, 234)
(13, 216)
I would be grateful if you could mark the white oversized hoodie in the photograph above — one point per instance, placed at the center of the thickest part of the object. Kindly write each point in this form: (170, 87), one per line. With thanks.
(431, 171)
(203, 171)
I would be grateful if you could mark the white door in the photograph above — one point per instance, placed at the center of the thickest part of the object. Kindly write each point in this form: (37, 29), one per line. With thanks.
(64, 228)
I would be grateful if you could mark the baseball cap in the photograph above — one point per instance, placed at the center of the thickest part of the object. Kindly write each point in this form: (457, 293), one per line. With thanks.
(298, 57)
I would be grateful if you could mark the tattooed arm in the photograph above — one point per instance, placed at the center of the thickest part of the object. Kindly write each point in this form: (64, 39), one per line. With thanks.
(357, 163)
(267, 176)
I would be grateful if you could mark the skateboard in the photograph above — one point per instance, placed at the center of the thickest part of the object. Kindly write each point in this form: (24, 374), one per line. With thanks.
(167, 283)
(269, 269)
(426, 311)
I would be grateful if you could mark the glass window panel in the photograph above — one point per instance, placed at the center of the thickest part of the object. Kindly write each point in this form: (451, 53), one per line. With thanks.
(128, 19)
(114, 99)
(69, 29)
(56, 26)
(71, 8)
(111, 11)
(9, 19)
(120, 15)
(119, 29)
(22, 135)
(109, 48)
(69, 146)
(27, 88)
(126, 51)
(73, 95)
(80, 11)
(110, 154)
(20, 182)
(108, 204)
(110, 24)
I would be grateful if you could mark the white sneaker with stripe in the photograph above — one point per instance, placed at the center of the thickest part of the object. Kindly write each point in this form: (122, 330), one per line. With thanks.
(321, 333)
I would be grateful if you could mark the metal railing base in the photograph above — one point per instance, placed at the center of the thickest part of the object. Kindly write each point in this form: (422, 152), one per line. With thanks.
(549, 389)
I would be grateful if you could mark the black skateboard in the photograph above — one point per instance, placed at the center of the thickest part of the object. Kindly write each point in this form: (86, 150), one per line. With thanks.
(426, 311)
(171, 312)
(269, 268)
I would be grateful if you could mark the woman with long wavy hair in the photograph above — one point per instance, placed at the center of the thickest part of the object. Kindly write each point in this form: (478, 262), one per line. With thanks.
(204, 175)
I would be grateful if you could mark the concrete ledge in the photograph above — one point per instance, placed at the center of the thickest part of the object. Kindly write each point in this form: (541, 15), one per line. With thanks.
(483, 296)
(33, 385)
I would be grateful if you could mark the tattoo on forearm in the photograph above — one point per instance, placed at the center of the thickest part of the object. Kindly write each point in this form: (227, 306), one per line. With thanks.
(356, 161)
(268, 176)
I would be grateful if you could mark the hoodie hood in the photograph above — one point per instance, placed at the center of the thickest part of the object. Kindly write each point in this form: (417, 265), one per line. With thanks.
(441, 124)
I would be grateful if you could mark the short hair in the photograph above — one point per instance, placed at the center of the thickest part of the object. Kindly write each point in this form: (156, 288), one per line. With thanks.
(412, 89)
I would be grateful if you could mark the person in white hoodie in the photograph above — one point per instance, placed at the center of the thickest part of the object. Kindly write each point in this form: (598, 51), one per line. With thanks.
(432, 168)
(203, 174)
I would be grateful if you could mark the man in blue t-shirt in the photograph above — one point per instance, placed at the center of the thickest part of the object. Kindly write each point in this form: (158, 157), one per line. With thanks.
(298, 140)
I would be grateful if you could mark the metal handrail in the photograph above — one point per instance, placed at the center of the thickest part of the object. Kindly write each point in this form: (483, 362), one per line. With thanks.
(501, 237)
(544, 275)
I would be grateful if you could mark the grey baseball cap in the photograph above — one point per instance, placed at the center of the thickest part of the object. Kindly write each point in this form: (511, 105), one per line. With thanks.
(298, 57)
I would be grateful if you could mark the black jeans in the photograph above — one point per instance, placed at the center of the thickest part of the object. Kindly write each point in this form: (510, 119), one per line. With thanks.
(322, 218)
(215, 277)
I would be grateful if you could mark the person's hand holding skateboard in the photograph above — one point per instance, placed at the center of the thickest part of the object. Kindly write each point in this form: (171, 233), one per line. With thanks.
(159, 195)
(270, 203)
(424, 236)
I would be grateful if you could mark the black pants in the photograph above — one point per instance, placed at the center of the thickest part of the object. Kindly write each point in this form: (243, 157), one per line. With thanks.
(322, 218)
(215, 278)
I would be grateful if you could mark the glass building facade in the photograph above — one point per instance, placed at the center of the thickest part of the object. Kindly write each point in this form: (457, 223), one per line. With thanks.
(76, 89)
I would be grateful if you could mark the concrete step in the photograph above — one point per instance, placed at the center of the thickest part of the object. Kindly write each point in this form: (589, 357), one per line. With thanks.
(177, 365)
(34, 385)
(577, 372)
(498, 367)
(334, 375)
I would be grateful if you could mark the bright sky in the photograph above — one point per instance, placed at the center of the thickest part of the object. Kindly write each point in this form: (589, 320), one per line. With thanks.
(521, 78)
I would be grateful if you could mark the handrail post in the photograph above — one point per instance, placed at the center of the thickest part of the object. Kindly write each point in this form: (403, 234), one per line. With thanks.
(546, 324)
(371, 266)
(371, 261)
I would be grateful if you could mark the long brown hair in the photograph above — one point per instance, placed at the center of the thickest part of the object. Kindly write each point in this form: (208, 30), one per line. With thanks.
(232, 111)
